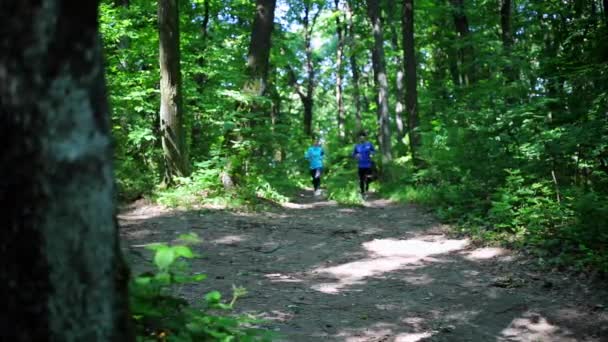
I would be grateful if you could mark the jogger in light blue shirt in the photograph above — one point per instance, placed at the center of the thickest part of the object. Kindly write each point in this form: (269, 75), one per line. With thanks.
(315, 155)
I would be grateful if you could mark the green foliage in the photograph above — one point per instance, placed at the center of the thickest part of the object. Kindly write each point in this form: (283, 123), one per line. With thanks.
(159, 315)
(528, 127)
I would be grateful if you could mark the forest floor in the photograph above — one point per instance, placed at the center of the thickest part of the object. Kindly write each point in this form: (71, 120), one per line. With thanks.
(318, 271)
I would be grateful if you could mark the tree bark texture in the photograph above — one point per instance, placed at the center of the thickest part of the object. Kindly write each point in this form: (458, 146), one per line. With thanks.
(506, 9)
(381, 81)
(171, 111)
(399, 79)
(354, 67)
(465, 54)
(339, 72)
(411, 100)
(307, 96)
(63, 277)
(259, 47)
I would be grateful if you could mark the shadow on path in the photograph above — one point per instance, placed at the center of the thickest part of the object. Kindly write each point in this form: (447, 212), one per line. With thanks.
(318, 271)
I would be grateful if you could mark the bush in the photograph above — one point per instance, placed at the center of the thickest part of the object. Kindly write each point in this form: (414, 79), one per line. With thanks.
(159, 315)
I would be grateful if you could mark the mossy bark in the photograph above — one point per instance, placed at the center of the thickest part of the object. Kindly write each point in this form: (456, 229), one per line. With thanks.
(63, 273)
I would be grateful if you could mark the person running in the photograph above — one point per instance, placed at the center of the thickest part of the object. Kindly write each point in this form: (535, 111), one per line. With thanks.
(315, 155)
(363, 152)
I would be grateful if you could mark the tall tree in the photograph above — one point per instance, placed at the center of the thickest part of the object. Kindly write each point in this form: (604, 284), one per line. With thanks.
(259, 47)
(506, 8)
(381, 81)
(411, 100)
(400, 95)
(63, 277)
(352, 39)
(308, 21)
(339, 70)
(465, 53)
(171, 110)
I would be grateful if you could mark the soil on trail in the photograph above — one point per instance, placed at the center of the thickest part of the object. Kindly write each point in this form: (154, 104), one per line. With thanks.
(318, 271)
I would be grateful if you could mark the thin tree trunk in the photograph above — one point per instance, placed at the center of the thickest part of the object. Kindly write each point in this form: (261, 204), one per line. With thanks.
(400, 95)
(411, 101)
(307, 96)
(379, 66)
(506, 8)
(605, 3)
(339, 72)
(354, 67)
(63, 277)
(466, 53)
(171, 111)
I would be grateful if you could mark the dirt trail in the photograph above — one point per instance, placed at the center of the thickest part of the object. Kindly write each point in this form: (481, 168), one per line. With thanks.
(383, 272)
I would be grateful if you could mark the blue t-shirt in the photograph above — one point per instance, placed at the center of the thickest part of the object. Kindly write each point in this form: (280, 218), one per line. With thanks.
(314, 154)
(364, 152)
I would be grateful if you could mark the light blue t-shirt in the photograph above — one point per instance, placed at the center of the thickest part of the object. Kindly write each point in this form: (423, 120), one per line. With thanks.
(314, 154)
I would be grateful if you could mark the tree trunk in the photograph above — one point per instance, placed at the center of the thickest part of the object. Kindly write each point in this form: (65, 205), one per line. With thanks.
(257, 69)
(307, 96)
(465, 53)
(339, 72)
(411, 101)
(63, 277)
(379, 66)
(605, 3)
(171, 111)
(354, 67)
(259, 47)
(400, 95)
(506, 8)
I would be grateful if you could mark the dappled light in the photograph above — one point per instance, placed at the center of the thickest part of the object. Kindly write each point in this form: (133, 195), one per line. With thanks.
(485, 253)
(532, 326)
(230, 239)
(412, 337)
(326, 272)
(385, 255)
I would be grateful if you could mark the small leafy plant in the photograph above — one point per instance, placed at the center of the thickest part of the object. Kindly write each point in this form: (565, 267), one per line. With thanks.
(160, 315)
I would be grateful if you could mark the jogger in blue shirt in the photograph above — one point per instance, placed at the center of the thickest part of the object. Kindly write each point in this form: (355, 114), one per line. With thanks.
(363, 152)
(315, 155)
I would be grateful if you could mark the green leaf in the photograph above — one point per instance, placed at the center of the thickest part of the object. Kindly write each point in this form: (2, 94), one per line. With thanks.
(164, 258)
(213, 297)
(183, 251)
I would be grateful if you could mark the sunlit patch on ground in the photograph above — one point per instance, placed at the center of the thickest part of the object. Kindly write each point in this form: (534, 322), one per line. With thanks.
(230, 239)
(386, 255)
(383, 332)
(277, 316)
(534, 327)
(412, 337)
(282, 278)
(143, 213)
(485, 253)
(380, 332)
(319, 204)
(423, 279)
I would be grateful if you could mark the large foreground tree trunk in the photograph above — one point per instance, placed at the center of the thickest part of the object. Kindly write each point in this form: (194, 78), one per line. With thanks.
(171, 111)
(411, 100)
(62, 275)
(379, 65)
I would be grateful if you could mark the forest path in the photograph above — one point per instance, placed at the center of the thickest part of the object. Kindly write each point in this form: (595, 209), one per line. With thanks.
(319, 271)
